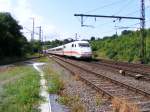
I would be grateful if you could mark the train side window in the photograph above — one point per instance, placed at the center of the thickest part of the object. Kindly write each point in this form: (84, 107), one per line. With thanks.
(64, 46)
(72, 45)
(75, 45)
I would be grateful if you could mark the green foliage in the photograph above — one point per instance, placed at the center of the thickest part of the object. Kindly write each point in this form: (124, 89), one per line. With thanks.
(55, 43)
(73, 102)
(12, 42)
(35, 46)
(92, 38)
(55, 84)
(43, 59)
(68, 100)
(125, 47)
(21, 95)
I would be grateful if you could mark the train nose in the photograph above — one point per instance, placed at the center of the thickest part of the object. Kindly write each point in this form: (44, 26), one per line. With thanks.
(87, 53)
(85, 50)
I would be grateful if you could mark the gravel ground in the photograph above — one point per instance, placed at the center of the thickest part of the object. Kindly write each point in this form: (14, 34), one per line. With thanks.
(4, 68)
(92, 100)
(143, 85)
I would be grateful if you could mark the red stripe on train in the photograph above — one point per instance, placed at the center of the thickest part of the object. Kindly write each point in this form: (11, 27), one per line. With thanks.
(71, 52)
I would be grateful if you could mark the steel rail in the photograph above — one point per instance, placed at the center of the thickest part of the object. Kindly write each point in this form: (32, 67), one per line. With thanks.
(112, 80)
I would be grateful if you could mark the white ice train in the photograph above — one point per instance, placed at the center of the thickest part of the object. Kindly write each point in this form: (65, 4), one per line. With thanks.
(77, 49)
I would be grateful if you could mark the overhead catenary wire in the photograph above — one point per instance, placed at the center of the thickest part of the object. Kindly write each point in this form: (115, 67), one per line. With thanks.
(125, 28)
(104, 6)
(104, 24)
(107, 5)
(119, 12)
(136, 11)
(30, 30)
(124, 7)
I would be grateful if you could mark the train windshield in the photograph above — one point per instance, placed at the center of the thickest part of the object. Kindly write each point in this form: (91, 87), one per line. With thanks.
(84, 45)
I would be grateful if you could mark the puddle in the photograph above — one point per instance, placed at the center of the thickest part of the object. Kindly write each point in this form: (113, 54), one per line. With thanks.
(50, 105)
(56, 107)
(44, 106)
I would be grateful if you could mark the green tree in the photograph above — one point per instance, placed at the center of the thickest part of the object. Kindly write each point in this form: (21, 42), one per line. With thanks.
(12, 42)
(92, 38)
(126, 47)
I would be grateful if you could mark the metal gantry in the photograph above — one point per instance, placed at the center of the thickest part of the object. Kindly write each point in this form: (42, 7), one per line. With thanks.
(142, 24)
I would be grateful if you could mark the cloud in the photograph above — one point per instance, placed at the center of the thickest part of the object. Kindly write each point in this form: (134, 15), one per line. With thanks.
(5, 5)
(23, 12)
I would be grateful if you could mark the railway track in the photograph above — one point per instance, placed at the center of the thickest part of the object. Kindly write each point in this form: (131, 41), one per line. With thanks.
(137, 71)
(107, 86)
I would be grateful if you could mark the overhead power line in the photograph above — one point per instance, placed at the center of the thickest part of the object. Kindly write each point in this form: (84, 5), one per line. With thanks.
(107, 5)
(124, 7)
(31, 30)
(142, 24)
(136, 11)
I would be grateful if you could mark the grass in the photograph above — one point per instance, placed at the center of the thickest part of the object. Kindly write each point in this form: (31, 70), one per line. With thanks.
(29, 55)
(55, 84)
(43, 59)
(68, 100)
(9, 60)
(11, 72)
(123, 106)
(98, 100)
(21, 95)
(73, 102)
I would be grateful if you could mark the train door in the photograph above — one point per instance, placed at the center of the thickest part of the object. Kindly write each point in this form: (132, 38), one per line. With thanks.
(64, 47)
(72, 49)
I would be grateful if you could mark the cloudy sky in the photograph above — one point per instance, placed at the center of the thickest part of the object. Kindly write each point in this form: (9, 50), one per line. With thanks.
(56, 17)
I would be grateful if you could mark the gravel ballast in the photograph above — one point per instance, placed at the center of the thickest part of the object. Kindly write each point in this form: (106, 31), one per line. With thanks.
(90, 98)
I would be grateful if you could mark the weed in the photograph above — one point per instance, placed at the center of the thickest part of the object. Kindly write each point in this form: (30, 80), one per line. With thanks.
(43, 59)
(55, 83)
(78, 107)
(73, 102)
(98, 100)
(123, 106)
(68, 100)
(21, 95)
(11, 72)
(77, 77)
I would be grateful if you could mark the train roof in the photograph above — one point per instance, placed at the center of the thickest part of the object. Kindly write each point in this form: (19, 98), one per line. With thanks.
(76, 42)
(57, 47)
(80, 41)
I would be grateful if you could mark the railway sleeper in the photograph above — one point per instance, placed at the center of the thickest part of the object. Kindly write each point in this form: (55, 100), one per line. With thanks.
(133, 98)
(125, 95)
(143, 104)
(112, 91)
(110, 87)
(93, 79)
(104, 84)
(101, 85)
(145, 110)
(104, 91)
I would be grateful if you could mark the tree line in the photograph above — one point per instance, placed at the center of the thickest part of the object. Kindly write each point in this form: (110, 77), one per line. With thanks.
(125, 47)
(12, 42)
